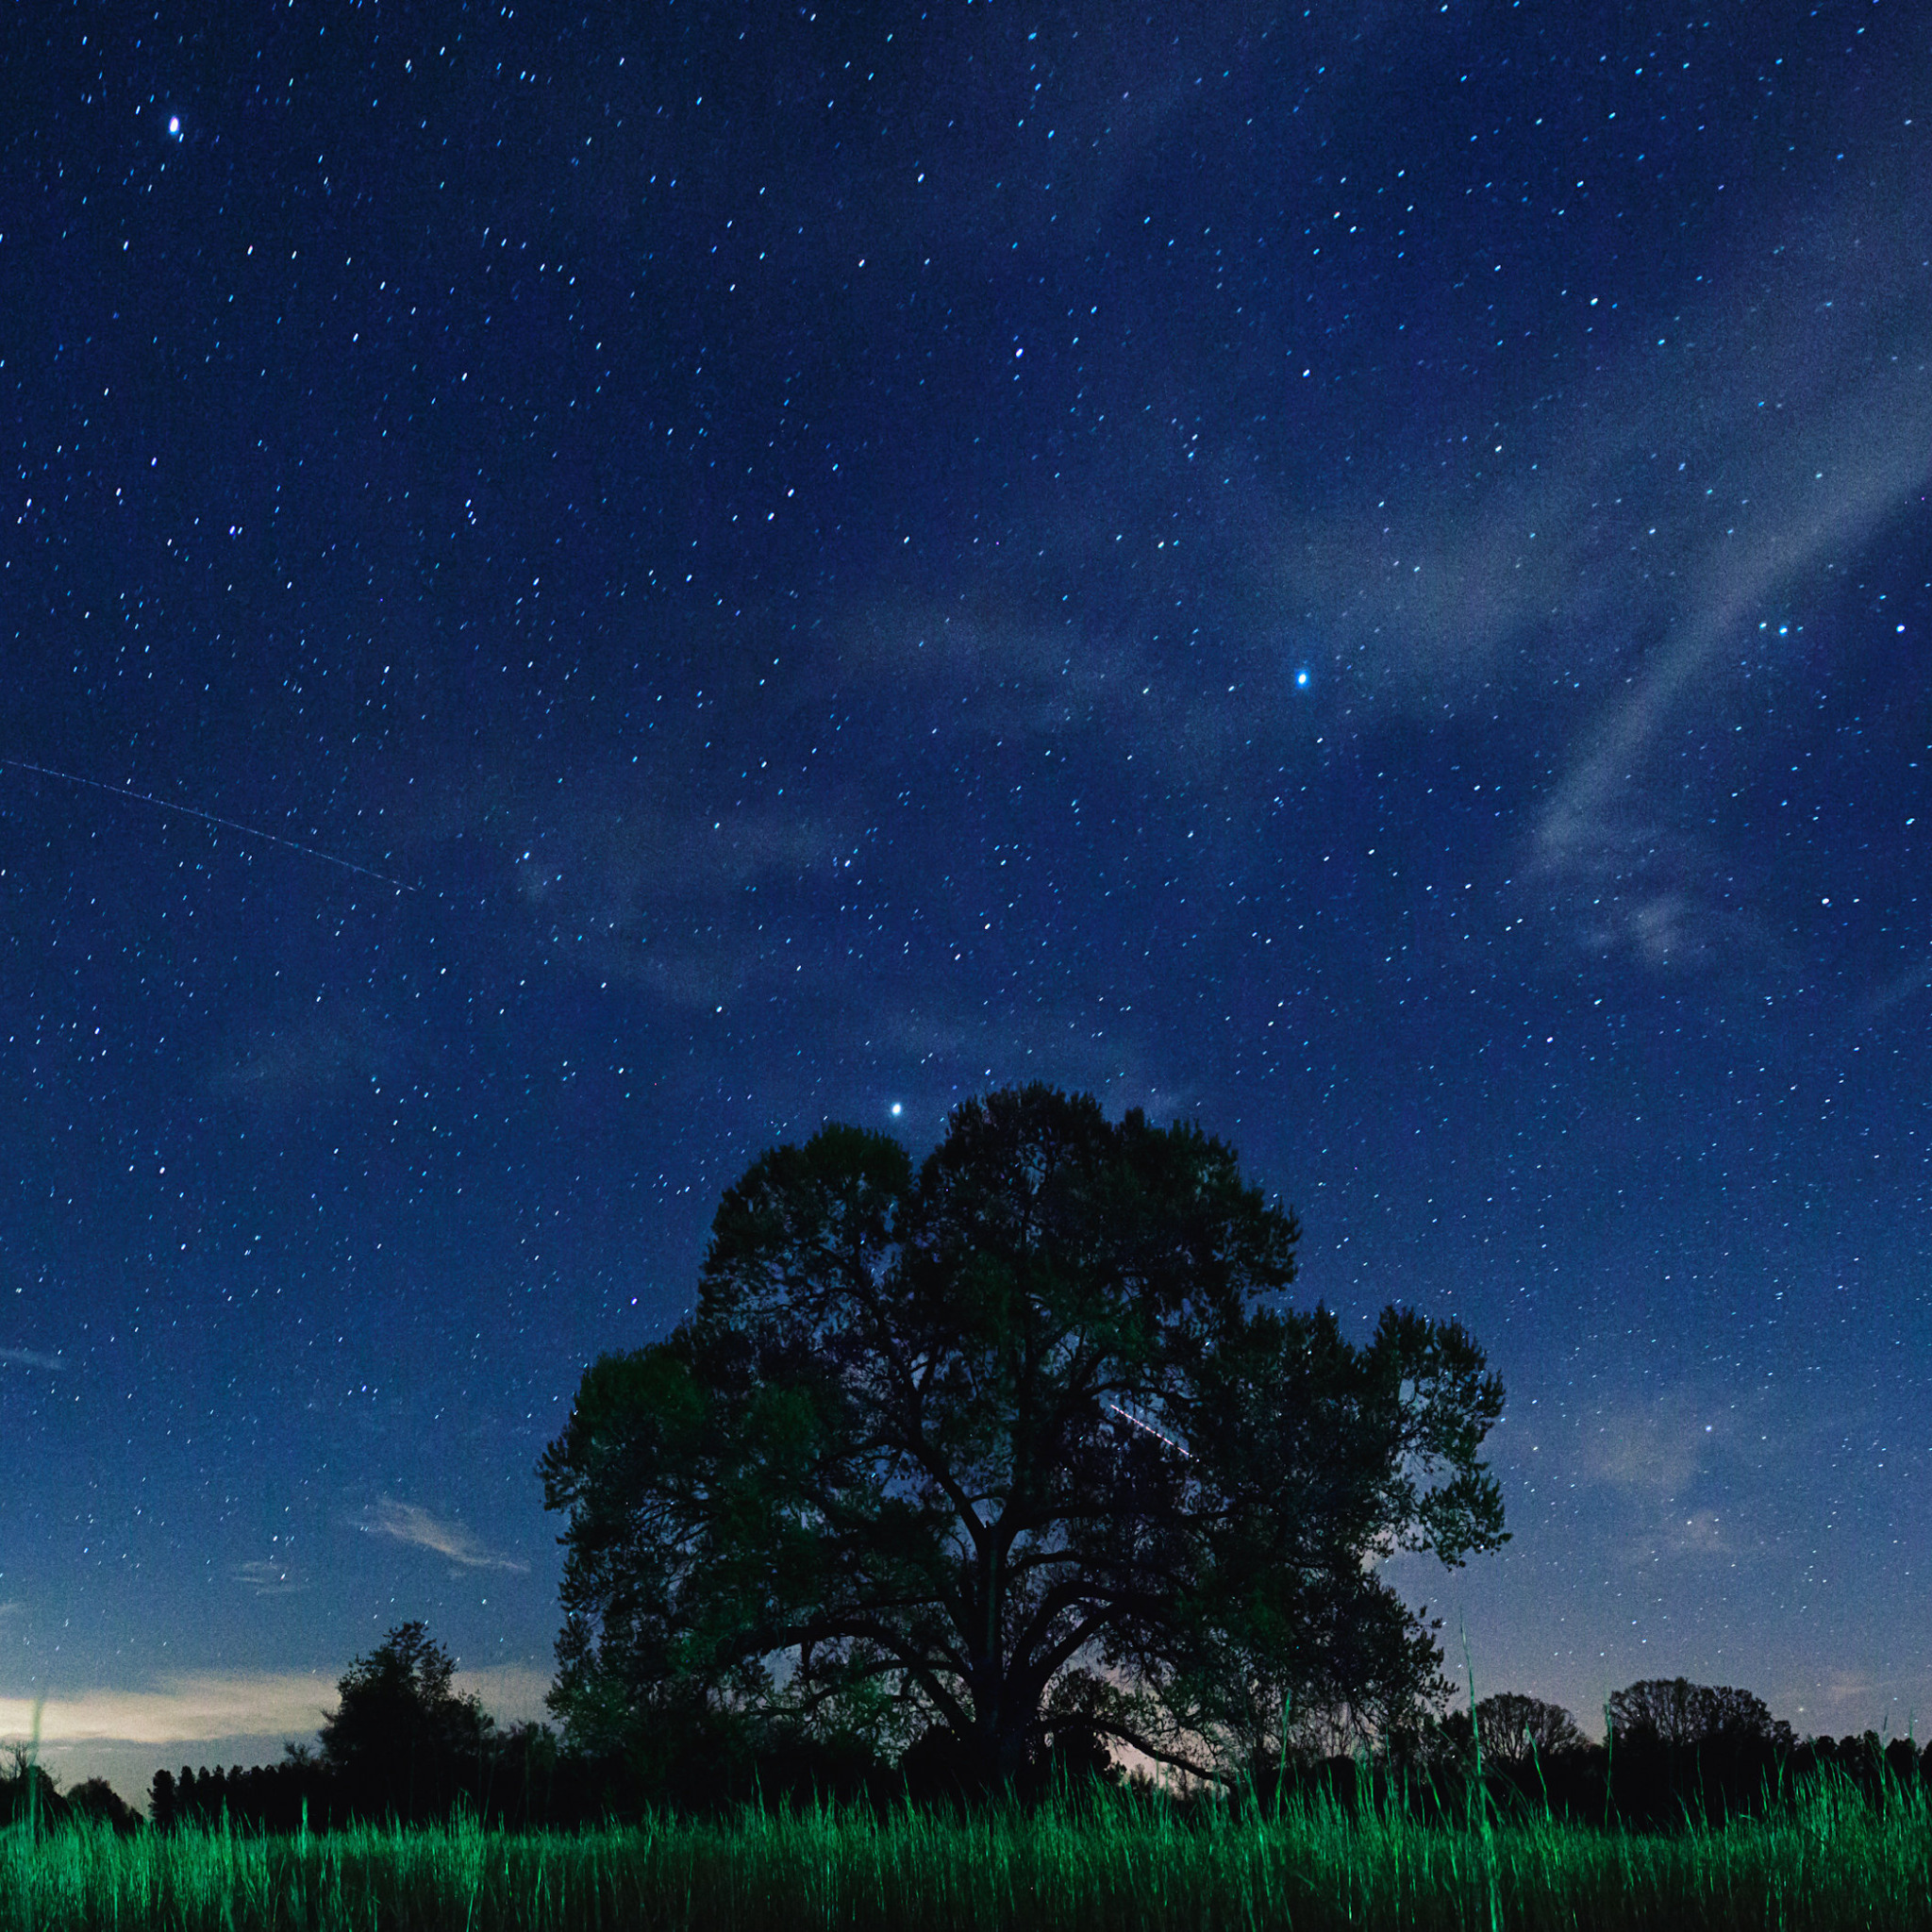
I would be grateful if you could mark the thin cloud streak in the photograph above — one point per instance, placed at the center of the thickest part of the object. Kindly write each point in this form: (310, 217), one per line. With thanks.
(1878, 449)
(409, 1524)
(267, 1578)
(31, 1358)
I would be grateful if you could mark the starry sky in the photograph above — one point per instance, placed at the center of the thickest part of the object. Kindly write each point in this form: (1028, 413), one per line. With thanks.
(584, 591)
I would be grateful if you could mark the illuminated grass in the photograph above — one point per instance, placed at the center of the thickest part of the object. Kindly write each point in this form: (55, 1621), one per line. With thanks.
(1831, 1861)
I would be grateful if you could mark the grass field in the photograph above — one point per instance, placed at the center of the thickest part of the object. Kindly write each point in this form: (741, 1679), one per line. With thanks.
(1830, 1860)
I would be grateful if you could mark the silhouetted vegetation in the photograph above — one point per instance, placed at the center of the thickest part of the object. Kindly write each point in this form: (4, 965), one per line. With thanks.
(27, 1795)
(30, 1796)
(402, 1747)
(1010, 1462)
(1676, 1754)
(518, 1781)
(401, 1744)
(1713, 1755)
(94, 1799)
(1514, 1728)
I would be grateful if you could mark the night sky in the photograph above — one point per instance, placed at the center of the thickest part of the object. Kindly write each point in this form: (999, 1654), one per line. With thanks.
(651, 577)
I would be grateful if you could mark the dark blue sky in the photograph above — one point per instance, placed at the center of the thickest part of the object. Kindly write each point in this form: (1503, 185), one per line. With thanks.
(1362, 577)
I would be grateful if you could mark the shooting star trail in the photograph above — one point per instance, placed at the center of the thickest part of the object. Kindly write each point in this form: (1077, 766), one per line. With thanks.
(1161, 1434)
(208, 818)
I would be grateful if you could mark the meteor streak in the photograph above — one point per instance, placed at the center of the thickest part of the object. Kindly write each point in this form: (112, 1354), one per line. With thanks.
(208, 818)
(1151, 1430)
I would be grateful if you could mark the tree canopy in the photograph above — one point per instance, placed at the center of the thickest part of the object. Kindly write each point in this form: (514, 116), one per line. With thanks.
(1021, 1450)
(1514, 1727)
(1674, 1712)
(401, 1736)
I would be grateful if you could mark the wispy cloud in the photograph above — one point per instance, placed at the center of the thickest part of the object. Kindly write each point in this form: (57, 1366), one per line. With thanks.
(31, 1358)
(1653, 1451)
(1705, 1532)
(267, 1578)
(1686, 1468)
(1812, 489)
(181, 1710)
(198, 1707)
(409, 1523)
(1840, 1702)
(647, 878)
(1614, 557)
(317, 1058)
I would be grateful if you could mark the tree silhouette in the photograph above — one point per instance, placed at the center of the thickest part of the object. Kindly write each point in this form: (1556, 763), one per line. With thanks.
(401, 1739)
(1681, 1750)
(1022, 1451)
(29, 1793)
(1514, 1728)
(1676, 1713)
(95, 1798)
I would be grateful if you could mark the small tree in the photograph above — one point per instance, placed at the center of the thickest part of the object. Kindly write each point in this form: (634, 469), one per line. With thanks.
(95, 1798)
(401, 1739)
(30, 1794)
(1021, 1453)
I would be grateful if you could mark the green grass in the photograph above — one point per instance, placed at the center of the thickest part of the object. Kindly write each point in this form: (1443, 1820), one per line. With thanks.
(1830, 1860)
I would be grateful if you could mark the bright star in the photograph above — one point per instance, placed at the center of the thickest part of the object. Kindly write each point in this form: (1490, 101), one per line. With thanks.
(174, 126)
(1301, 679)
(897, 1109)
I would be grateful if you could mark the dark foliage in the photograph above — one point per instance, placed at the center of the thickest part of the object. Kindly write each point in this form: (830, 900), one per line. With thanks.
(28, 1793)
(1515, 1729)
(1733, 1761)
(31, 1796)
(1877, 1768)
(521, 1781)
(1430, 1769)
(1678, 1749)
(401, 1744)
(1675, 1714)
(94, 1798)
(1022, 1451)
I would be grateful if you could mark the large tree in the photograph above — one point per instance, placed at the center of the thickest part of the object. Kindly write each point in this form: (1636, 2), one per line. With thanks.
(1024, 1447)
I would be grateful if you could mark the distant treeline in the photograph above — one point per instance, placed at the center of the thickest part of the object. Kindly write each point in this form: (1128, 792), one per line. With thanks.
(1676, 1752)
(531, 1783)
(518, 1780)
(1639, 1781)
(402, 1746)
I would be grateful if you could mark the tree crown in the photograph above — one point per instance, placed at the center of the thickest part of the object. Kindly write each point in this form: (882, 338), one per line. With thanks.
(1025, 1441)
